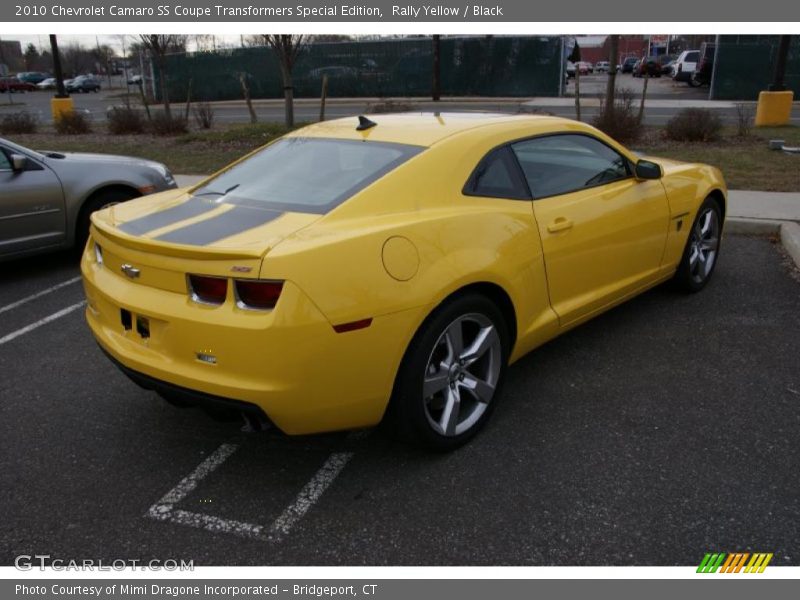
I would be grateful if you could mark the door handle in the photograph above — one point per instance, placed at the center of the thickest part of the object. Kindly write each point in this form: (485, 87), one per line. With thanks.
(560, 224)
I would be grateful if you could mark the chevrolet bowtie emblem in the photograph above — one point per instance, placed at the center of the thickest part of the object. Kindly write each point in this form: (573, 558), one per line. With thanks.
(130, 271)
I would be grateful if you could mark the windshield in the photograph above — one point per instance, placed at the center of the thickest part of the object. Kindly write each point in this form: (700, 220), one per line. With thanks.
(306, 174)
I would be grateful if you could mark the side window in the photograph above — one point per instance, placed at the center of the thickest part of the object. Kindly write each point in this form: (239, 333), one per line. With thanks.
(497, 176)
(5, 163)
(558, 164)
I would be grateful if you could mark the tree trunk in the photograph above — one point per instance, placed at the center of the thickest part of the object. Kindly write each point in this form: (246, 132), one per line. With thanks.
(323, 97)
(162, 81)
(144, 100)
(247, 99)
(188, 99)
(644, 95)
(288, 93)
(612, 71)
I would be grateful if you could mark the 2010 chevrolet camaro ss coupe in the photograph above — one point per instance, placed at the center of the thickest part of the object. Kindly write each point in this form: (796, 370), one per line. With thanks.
(354, 269)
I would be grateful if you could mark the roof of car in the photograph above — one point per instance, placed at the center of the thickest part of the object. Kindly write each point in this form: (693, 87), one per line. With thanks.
(420, 129)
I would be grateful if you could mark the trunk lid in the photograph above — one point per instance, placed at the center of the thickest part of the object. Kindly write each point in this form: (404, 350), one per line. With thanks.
(163, 237)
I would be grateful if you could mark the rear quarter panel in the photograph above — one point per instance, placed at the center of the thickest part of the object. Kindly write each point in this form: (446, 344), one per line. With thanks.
(459, 240)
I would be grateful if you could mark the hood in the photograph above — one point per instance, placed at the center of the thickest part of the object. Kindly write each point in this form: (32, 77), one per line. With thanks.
(86, 157)
(175, 223)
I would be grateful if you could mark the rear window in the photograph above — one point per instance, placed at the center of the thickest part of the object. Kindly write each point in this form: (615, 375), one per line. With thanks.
(692, 56)
(310, 175)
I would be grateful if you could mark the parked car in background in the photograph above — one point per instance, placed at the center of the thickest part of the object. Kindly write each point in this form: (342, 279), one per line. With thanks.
(705, 65)
(46, 197)
(333, 72)
(135, 80)
(628, 63)
(602, 66)
(667, 64)
(582, 67)
(33, 77)
(83, 84)
(685, 65)
(650, 66)
(570, 69)
(47, 84)
(14, 85)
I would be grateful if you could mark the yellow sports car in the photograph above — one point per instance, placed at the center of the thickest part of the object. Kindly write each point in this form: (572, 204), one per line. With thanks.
(354, 268)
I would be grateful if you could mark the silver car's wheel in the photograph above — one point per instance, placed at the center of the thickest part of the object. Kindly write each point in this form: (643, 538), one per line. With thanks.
(703, 245)
(462, 374)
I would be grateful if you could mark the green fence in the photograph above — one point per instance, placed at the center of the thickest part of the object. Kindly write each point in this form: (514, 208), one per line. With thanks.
(474, 66)
(745, 66)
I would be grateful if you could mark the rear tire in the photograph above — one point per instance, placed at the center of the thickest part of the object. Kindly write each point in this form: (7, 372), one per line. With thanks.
(702, 248)
(452, 374)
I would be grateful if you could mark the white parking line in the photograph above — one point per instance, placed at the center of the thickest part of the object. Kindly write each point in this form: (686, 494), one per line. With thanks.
(28, 328)
(309, 495)
(49, 290)
(165, 509)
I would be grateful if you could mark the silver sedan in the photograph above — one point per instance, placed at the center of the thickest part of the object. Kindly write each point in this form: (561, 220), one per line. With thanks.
(46, 197)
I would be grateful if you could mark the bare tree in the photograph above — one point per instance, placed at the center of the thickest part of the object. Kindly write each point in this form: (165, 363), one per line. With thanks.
(287, 48)
(159, 47)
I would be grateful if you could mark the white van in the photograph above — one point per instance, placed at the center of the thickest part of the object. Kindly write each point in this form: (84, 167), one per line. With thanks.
(685, 65)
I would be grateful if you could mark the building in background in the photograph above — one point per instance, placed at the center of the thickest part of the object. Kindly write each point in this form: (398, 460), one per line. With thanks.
(10, 56)
(597, 47)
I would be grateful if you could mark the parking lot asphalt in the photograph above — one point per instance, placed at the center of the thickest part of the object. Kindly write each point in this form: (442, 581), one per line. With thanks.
(663, 429)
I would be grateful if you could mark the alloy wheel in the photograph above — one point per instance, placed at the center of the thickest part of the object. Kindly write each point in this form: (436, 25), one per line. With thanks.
(461, 374)
(704, 245)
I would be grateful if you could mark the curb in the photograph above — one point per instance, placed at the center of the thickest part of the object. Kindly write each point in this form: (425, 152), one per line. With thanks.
(790, 238)
(788, 232)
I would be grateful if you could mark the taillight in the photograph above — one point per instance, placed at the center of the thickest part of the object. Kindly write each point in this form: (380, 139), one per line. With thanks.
(208, 290)
(257, 295)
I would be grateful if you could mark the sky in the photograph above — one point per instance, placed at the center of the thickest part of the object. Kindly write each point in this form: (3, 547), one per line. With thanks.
(43, 41)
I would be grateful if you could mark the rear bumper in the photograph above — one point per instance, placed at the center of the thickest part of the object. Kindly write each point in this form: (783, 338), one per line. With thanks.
(194, 397)
(288, 363)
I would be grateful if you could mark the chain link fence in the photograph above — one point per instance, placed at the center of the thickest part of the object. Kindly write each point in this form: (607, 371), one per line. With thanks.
(745, 63)
(491, 66)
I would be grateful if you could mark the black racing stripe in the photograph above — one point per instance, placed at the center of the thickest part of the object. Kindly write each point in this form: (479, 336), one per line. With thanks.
(236, 220)
(157, 220)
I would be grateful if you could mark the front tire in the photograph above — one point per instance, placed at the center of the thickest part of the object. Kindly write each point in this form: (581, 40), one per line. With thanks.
(452, 373)
(97, 202)
(702, 248)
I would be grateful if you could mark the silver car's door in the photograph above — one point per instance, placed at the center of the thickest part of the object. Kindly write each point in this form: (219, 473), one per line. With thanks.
(32, 210)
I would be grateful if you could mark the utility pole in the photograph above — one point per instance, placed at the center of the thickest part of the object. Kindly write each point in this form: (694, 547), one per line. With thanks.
(779, 74)
(61, 104)
(61, 92)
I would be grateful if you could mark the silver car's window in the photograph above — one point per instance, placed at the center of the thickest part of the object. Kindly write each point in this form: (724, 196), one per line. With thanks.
(306, 174)
(5, 164)
(559, 164)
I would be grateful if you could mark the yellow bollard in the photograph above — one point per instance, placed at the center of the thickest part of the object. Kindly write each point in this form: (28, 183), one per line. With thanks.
(774, 108)
(60, 106)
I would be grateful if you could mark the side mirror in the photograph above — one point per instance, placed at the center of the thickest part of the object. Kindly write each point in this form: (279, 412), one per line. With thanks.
(18, 162)
(646, 169)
